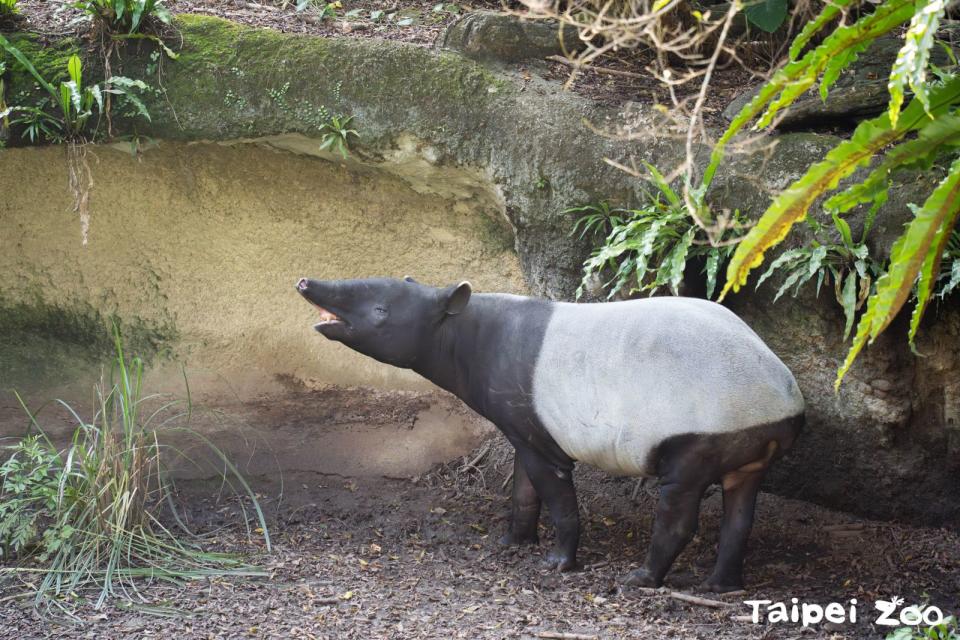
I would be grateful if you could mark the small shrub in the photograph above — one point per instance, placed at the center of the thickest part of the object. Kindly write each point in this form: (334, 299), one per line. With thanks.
(84, 519)
(122, 16)
(647, 249)
(335, 135)
(846, 265)
(28, 497)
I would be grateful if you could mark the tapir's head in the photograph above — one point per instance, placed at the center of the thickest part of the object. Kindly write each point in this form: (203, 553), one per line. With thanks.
(390, 320)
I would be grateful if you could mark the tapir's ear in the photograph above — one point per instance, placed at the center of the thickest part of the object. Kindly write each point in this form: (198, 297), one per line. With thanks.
(458, 298)
(409, 279)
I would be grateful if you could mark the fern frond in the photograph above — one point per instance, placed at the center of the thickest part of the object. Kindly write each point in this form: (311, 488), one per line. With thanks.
(915, 253)
(799, 75)
(910, 67)
(791, 206)
(917, 153)
(830, 11)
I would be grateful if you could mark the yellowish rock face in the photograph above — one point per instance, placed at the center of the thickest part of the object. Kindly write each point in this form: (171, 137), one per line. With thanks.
(202, 244)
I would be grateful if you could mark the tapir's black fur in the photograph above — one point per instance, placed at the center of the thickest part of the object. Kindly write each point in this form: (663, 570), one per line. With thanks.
(485, 352)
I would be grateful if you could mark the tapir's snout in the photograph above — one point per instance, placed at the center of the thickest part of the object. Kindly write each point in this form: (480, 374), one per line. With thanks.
(321, 295)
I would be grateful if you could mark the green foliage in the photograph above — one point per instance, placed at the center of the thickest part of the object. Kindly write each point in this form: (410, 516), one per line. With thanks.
(8, 8)
(122, 16)
(82, 520)
(334, 129)
(915, 258)
(646, 249)
(798, 75)
(910, 67)
(767, 15)
(846, 265)
(915, 137)
(946, 630)
(335, 135)
(71, 111)
(792, 204)
(28, 497)
(949, 277)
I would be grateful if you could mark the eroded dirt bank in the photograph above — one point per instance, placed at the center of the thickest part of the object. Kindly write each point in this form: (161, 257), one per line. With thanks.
(195, 249)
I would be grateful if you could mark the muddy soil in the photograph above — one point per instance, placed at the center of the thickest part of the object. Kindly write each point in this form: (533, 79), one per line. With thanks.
(419, 558)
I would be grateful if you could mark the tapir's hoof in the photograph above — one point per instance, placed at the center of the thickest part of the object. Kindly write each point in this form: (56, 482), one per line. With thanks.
(517, 539)
(640, 578)
(721, 586)
(561, 561)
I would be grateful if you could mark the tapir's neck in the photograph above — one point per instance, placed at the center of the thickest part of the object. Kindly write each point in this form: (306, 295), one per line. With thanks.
(488, 350)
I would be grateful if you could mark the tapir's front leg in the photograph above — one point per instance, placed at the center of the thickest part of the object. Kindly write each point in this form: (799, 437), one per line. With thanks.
(555, 487)
(524, 507)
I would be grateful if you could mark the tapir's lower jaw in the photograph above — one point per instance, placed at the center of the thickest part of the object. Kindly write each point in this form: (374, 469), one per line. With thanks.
(329, 324)
(332, 328)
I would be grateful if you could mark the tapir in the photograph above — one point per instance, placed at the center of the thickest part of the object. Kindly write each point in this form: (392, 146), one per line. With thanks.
(675, 388)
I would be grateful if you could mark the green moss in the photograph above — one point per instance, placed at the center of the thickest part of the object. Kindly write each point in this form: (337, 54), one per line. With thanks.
(44, 344)
(49, 58)
(220, 86)
(497, 234)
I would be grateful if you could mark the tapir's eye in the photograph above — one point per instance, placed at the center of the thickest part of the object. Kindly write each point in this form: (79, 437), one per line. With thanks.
(380, 311)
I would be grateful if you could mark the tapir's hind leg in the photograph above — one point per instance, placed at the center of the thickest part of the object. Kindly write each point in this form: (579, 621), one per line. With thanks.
(674, 526)
(525, 508)
(740, 490)
(555, 488)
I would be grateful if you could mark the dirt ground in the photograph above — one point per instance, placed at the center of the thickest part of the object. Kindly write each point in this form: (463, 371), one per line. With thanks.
(419, 558)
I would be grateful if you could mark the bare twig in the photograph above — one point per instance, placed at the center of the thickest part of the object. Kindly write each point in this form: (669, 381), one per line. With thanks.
(604, 70)
(716, 230)
(685, 597)
(565, 635)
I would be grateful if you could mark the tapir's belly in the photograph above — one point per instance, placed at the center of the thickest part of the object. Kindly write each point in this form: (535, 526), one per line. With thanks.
(612, 381)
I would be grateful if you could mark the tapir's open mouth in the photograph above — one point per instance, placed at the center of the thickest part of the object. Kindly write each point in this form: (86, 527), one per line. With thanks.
(327, 318)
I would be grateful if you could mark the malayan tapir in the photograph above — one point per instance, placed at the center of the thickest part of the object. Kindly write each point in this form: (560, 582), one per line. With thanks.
(677, 388)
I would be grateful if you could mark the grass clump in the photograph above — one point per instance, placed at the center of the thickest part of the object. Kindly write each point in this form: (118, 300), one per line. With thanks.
(81, 524)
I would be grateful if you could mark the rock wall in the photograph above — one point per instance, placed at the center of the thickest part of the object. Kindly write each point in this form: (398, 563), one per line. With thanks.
(886, 446)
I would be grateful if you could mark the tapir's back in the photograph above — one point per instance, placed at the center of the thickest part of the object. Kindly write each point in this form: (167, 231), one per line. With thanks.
(614, 380)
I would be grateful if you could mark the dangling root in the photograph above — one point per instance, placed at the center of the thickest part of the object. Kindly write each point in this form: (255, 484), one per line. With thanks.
(81, 183)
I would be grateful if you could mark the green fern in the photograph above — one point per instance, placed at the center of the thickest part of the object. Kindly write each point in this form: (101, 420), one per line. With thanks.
(914, 137)
(646, 250)
(28, 495)
(916, 258)
(913, 58)
(791, 206)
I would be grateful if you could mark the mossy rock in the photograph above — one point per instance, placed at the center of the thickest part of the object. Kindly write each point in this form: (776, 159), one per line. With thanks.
(497, 37)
